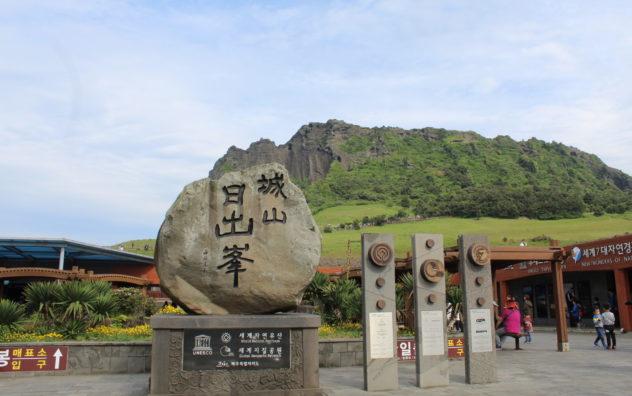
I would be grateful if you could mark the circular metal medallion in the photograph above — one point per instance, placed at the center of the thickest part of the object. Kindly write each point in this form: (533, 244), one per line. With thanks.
(432, 270)
(479, 254)
(380, 304)
(380, 254)
(379, 282)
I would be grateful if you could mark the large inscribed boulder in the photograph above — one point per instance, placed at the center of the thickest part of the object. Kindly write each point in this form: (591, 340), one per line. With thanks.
(245, 243)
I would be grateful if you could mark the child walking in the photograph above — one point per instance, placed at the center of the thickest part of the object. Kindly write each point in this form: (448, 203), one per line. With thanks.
(598, 322)
(608, 324)
(528, 328)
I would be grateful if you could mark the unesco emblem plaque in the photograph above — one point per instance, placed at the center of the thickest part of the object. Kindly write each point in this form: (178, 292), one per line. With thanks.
(236, 349)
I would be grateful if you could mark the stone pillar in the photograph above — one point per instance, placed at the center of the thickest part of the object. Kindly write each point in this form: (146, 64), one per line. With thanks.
(62, 256)
(502, 292)
(560, 306)
(378, 312)
(476, 283)
(432, 366)
(622, 286)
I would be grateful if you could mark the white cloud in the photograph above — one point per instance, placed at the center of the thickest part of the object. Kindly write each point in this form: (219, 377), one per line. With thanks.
(108, 109)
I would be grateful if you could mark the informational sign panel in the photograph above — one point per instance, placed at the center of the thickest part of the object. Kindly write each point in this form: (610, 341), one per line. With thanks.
(432, 325)
(480, 320)
(381, 335)
(236, 349)
(407, 349)
(33, 358)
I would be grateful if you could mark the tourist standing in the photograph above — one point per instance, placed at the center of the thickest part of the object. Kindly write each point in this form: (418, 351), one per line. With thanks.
(598, 322)
(528, 329)
(575, 314)
(527, 306)
(608, 324)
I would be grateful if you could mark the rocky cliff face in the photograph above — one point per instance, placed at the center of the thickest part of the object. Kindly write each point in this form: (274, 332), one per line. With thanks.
(309, 154)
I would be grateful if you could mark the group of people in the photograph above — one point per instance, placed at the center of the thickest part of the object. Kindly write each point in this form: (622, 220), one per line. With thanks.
(604, 326)
(511, 321)
(603, 318)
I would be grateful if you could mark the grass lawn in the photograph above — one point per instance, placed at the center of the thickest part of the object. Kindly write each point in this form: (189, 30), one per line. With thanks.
(347, 213)
(567, 231)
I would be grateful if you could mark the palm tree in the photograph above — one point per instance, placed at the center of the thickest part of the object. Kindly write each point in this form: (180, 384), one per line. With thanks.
(454, 296)
(11, 314)
(406, 299)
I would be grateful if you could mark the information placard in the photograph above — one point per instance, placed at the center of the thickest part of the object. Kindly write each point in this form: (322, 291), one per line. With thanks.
(381, 335)
(481, 330)
(231, 349)
(432, 339)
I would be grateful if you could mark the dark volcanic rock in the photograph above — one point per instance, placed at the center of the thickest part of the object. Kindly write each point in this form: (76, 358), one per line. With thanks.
(309, 153)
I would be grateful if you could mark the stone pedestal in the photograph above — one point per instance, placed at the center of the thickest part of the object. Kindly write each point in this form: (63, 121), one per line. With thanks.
(235, 355)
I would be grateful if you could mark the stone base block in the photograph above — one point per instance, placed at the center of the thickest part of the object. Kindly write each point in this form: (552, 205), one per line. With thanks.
(269, 355)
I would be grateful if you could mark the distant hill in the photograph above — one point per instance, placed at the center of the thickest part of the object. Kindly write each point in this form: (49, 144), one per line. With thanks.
(438, 172)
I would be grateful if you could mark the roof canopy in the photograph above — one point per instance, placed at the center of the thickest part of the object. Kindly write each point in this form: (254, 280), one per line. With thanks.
(45, 249)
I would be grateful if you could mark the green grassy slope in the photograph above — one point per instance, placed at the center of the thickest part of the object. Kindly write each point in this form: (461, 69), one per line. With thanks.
(567, 231)
(348, 213)
(500, 231)
(462, 174)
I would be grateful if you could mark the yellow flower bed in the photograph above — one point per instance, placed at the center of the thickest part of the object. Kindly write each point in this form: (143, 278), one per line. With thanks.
(343, 330)
(171, 310)
(30, 337)
(140, 331)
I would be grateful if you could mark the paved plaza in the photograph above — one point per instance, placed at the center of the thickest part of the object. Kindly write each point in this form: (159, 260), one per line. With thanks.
(537, 370)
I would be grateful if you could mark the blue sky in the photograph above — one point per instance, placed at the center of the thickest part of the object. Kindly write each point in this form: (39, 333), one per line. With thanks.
(107, 109)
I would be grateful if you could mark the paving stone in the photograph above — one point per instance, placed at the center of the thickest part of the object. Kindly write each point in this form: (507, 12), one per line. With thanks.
(537, 370)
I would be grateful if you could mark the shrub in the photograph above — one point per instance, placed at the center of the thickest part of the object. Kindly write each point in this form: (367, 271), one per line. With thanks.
(379, 220)
(133, 303)
(103, 307)
(341, 302)
(40, 297)
(328, 229)
(314, 291)
(11, 314)
(75, 300)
